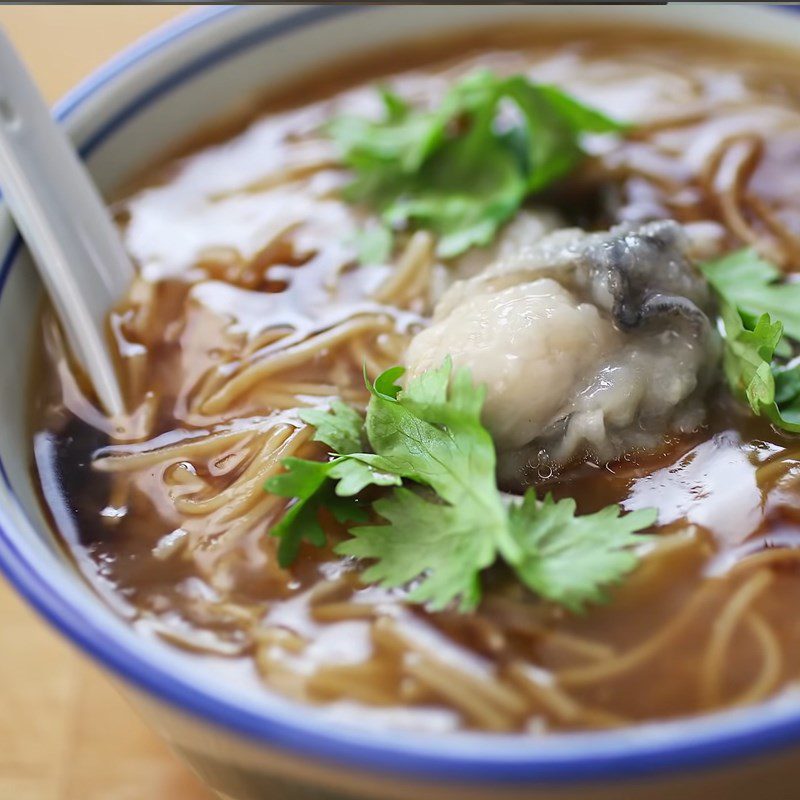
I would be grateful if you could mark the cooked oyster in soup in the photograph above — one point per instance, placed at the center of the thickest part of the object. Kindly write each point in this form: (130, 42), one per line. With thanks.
(462, 391)
(617, 327)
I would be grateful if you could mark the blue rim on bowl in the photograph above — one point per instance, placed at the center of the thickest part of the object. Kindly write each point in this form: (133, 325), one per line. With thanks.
(563, 758)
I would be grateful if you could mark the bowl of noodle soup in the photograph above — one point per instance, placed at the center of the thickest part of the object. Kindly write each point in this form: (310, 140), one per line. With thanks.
(274, 664)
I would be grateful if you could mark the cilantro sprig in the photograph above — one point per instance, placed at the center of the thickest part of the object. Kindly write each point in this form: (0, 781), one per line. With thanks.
(758, 315)
(751, 284)
(331, 484)
(444, 520)
(465, 168)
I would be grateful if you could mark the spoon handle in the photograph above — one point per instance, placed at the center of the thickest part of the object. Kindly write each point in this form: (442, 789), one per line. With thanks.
(64, 221)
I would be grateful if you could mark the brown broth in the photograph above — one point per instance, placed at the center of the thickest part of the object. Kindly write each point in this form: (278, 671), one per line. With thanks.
(240, 246)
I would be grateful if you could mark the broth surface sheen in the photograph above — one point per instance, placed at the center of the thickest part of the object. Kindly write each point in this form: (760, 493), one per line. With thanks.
(250, 304)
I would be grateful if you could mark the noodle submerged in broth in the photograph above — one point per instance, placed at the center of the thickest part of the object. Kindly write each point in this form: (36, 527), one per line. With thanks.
(251, 308)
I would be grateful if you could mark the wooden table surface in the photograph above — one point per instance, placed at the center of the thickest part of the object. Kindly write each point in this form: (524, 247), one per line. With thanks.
(65, 733)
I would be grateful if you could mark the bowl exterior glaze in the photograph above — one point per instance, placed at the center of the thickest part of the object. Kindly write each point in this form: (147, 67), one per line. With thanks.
(124, 117)
(239, 770)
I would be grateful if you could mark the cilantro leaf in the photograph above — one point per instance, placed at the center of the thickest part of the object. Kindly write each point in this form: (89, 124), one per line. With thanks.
(569, 559)
(554, 124)
(373, 244)
(462, 170)
(448, 521)
(431, 434)
(309, 483)
(787, 384)
(341, 428)
(399, 142)
(579, 117)
(424, 541)
(469, 190)
(747, 357)
(355, 473)
(751, 284)
(386, 383)
(770, 390)
(315, 485)
(750, 298)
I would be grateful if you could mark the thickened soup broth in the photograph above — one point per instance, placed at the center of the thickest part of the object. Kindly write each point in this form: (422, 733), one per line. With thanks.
(461, 389)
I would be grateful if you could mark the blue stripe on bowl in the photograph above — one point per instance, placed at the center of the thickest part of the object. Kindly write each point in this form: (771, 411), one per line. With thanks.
(468, 758)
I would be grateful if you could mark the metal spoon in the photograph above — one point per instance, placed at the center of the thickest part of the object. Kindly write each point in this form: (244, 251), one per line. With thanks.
(62, 218)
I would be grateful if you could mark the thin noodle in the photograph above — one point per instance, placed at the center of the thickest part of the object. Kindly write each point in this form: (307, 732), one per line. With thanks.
(619, 665)
(188, 449)
(410, 272)
(333, 612)
(771, 664)
(767, 556)
(247, 489)
(292, 356)
(517, 617)
(465, 693)
(265, 339)
(364, 682)
(723, 629)
(557, 702)
(479, 695)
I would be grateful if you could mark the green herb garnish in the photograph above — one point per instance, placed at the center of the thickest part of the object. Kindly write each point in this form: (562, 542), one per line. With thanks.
(569, 559)
(772, 390)
(464, 169)
(446, 521)
(324, 484)
(757, 313)
(373, 244)
(752, 285)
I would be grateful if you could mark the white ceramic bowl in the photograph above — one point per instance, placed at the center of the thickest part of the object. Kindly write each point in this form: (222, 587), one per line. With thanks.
(252, 748)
